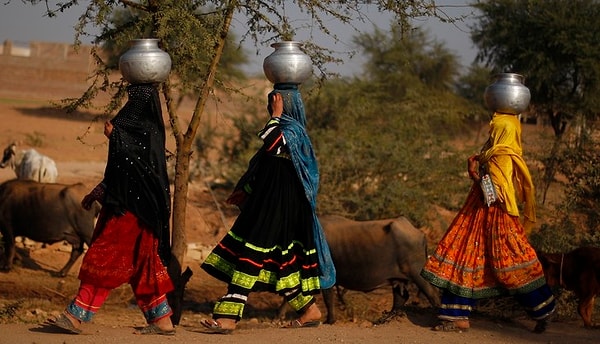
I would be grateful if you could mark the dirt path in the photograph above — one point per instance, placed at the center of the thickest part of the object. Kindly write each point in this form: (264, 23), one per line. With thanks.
(401, 331)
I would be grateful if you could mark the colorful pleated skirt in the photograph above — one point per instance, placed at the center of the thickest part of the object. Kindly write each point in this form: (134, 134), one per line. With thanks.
(484, 253)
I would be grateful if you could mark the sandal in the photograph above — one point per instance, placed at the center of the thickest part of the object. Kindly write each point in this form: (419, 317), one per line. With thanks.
(64, 323)
(154, 329)
(449, 326)
(214, 327)
(298, 324)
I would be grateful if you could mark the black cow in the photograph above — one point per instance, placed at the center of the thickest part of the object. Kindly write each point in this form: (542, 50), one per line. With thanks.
(47, 213)
(373, 254)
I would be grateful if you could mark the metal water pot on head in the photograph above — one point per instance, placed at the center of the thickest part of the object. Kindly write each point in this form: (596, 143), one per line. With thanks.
(288, 64)
(144, 62)
(507, 94)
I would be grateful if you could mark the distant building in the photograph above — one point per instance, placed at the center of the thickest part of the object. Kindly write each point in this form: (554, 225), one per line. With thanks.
(41, 70)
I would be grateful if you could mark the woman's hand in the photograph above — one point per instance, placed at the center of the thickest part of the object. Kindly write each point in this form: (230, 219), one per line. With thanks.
(95, 195)
(108, 127)
(276, 105)
(237, 197)
(473, 167)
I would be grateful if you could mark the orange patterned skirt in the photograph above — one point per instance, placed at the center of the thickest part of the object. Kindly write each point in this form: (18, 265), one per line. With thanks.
(484, 253)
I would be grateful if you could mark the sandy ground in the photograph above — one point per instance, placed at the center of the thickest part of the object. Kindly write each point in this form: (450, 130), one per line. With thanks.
(36, 294)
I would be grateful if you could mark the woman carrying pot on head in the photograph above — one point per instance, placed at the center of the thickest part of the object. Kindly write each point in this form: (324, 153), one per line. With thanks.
(276, 243)
(131, 241)
(485, 251)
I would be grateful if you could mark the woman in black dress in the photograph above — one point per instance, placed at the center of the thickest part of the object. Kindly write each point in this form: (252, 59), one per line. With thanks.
(276, 243)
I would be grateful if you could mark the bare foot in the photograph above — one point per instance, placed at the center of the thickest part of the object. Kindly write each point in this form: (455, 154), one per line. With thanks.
(165, 324)
(311, 314)
(226, 323)
(463, 324)
(452, 326)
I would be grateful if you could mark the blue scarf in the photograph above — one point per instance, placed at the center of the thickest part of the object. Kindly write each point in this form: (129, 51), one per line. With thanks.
(293, 126)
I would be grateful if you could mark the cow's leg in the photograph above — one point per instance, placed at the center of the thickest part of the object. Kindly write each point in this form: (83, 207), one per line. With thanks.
(585, 308)
(400, 296)
(432, 293)
(341, 292)
(9, 251)
(76, 251)
(328, 299)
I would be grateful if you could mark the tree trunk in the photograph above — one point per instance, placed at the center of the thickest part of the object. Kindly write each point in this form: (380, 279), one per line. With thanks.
(182, 169)
(179, 241)
(559, 124)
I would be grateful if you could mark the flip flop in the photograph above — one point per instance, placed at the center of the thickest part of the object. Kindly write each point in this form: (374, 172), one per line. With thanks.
(449, 326)
(298, 324)
(214, 327)
(154, 329)
(63, 323)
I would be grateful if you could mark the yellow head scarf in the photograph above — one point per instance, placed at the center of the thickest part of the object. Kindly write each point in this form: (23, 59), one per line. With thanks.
(503, 156)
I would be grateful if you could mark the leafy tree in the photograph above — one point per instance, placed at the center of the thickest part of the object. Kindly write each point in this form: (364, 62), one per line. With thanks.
(233, 56)
(471, 86)
(172, 21)
(385, 138)
(554, 43)
(406, 57)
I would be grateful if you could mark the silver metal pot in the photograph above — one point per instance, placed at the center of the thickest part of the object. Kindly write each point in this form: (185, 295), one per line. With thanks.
(144, 62)
(507, 94)
(287, 64)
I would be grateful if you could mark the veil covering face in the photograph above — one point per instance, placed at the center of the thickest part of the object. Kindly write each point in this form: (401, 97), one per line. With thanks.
(136, 171)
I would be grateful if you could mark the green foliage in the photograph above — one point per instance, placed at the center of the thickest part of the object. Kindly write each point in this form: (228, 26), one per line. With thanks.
(575, 221)
(385, 143)
(382, 162)
(554, 43)
(582, 169)
(186, 31)
(397, 58)
(471, 86)
(238, 146)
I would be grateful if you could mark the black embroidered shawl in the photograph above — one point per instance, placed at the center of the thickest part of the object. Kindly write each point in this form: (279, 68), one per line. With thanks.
(136, 173)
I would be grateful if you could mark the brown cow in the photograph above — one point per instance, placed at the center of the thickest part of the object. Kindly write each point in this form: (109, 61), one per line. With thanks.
(47, 213)
(374, 254)
(577, 271)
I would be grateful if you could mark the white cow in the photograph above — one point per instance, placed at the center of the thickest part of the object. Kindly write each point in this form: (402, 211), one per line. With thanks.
(29, 164)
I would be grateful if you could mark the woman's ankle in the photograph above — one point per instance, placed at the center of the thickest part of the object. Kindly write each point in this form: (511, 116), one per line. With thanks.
(462, 323)
(164, 323)
(226, 323)
(76, 322)
(312, 313)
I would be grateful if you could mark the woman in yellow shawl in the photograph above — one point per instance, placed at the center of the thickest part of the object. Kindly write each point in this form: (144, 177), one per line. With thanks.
(485, 251)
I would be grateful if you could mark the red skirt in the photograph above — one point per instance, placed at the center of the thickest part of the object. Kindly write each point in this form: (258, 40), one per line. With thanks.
(125, 250)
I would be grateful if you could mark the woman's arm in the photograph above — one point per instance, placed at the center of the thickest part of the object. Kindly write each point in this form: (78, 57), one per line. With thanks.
(272, 136)
(473, 167)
